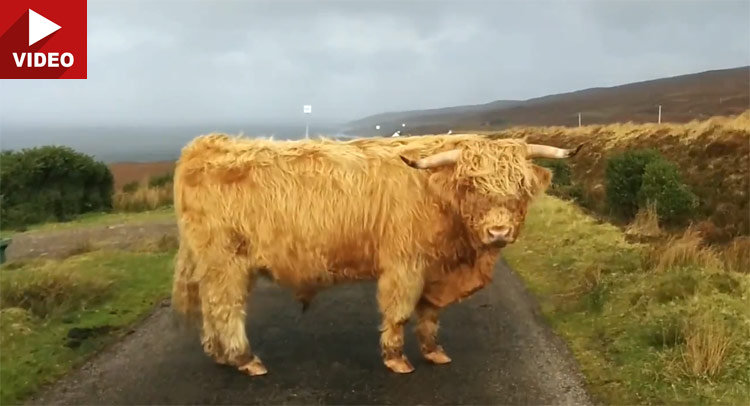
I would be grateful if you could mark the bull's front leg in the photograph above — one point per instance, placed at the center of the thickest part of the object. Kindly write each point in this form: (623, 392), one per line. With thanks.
(224, 294)
(426, 330)
(398, 292)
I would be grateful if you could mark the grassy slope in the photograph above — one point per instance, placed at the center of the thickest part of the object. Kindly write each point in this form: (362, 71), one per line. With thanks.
(637, 333)
(97, 289)
(713, 157)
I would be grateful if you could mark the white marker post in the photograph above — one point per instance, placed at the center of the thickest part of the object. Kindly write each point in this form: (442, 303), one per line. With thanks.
(660, 114)
(307, 109)
(579, 119)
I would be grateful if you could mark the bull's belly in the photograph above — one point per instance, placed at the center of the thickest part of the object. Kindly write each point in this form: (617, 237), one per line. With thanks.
(300, 278)
(305, 288)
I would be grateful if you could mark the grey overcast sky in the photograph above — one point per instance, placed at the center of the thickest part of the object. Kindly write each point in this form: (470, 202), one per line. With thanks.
(185, 62)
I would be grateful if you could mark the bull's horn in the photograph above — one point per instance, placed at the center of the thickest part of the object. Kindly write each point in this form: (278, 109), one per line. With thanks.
(546, 151)
(433, 161)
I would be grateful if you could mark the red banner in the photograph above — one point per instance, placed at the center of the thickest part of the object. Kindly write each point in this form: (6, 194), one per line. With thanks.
(43, 39)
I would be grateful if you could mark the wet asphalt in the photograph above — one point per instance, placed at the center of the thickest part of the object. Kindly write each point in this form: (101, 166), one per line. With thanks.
(502, 353)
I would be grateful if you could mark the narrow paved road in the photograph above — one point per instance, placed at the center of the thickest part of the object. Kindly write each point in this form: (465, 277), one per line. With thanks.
(502, 354)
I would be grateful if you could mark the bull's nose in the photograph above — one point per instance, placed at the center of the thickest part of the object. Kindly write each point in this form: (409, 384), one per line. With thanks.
(503, 233)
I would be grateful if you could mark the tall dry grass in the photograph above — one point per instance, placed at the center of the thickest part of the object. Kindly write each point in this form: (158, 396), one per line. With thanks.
(737, 255)
(685, 250)
(707, 343)
(144, 198)
(703, 274)
(645, 224)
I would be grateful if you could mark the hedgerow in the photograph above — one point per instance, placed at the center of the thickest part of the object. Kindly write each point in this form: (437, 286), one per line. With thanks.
(51, 183)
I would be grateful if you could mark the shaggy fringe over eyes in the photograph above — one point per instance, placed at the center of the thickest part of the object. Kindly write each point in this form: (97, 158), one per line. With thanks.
(496, 167)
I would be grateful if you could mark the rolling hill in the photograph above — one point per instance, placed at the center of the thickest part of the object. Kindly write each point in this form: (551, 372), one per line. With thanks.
(683, 98)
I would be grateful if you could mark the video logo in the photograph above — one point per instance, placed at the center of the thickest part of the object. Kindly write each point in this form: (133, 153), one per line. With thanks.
(43, 39)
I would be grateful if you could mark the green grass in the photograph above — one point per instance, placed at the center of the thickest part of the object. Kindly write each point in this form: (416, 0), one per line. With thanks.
(98, 219)
(641, 336)
(43, 300)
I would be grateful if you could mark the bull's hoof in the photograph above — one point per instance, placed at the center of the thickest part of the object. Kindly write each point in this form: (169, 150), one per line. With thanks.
(438, 357)
(254, 368)
(399, 365)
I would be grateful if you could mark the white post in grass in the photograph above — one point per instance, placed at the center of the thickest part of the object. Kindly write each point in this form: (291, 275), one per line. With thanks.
(579, 119)
(660, 114)
(307, 109)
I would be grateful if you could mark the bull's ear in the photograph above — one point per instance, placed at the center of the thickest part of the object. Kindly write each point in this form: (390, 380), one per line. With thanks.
(542, 178)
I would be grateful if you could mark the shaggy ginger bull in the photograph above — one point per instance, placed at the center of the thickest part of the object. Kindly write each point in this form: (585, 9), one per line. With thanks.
(424, 216)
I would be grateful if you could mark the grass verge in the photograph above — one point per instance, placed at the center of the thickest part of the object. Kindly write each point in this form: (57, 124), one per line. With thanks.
(99, 219)
(644, 330)
(57, 313)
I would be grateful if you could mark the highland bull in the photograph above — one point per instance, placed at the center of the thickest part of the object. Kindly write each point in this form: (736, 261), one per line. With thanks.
(425, 217)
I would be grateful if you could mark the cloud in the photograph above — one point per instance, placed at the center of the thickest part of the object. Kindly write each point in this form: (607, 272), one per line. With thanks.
(162, 62)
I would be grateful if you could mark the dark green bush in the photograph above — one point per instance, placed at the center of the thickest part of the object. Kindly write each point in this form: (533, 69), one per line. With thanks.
(51, 183)
(159, 181)
(623, 180)
(563, 185)
(637, 177)
(663, 185)
(561, 173)
(131, 187)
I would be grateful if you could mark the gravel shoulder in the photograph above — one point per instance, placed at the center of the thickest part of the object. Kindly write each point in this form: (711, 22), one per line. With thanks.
(63, 243)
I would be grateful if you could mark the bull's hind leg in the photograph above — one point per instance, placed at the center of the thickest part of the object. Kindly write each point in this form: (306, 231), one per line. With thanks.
(398, 292)
(224, 293)
(426, 329)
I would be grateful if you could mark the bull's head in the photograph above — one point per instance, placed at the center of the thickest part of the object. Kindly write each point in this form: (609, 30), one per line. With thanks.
(490, 183)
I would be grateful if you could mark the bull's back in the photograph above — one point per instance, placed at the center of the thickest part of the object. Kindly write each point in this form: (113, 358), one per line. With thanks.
(298, 210)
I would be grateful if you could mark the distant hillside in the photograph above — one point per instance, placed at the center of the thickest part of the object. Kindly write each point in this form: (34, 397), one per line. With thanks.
(683, 98)
(427, 117)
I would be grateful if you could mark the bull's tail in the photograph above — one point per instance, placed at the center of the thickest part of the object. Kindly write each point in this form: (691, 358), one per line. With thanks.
(185, 294)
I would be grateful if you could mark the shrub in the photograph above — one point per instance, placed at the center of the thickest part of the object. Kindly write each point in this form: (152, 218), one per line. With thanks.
(160, 181)
(562, 181)
(560, 171)
(51, 183)
(131, 187)
(623, 180)
(662, 185)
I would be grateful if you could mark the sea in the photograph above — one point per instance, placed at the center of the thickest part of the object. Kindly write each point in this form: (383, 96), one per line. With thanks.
(148, 143)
